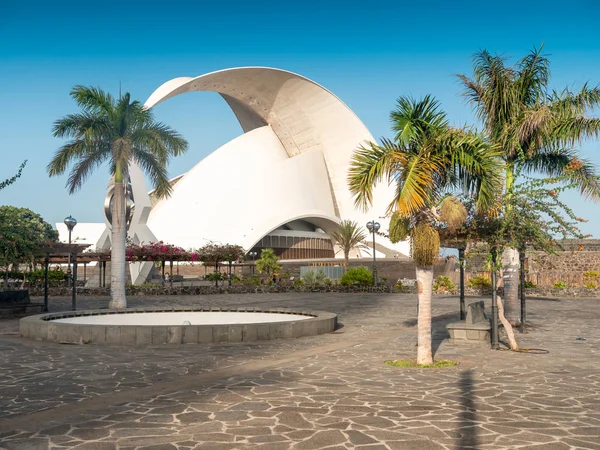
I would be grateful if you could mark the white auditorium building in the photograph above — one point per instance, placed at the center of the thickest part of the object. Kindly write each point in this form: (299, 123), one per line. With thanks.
(297, 142)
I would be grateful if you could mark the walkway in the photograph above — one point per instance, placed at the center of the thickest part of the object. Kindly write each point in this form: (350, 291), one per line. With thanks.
(331, 391)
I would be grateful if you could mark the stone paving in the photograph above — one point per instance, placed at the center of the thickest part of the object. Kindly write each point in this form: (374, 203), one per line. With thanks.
(331, 391)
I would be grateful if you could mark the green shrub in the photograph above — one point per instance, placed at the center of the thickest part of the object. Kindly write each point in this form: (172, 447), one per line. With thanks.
(315, 278)
(218, 276)
(399, 286)
(591, 285)
(529, 285)
(560, 285)
(357, 275)
(298, 282)
(479, 282)
(591, 275)
(443, 284)
(253, 280)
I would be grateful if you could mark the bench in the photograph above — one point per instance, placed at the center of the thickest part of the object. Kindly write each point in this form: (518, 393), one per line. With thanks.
(475, 329)
(17, 303)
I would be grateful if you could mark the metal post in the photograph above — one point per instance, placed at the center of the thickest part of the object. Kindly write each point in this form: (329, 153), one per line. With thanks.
(103, 273)
(69, 263)
(461, 261)
(229, 273)
(171, 272)
(163, 273)
(495, 343)
(84, 272)
(374, 262)
(522, 284)
(46, 264)
(74, 297)
(99, 273)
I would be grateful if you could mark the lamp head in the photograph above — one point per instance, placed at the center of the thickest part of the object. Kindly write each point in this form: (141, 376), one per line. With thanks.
(70, 222)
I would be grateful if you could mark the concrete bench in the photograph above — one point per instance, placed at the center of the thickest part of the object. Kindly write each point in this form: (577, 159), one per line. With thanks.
(475, 329)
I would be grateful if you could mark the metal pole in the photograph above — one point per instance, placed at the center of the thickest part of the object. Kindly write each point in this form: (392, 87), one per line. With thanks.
(99, 273)
(217, 272)
(229, 273)
(74, 297)
(171, 272)
(84, 272)
(69, 263)
(103, 273)
(495, 343)
(522, 283)
(461, 261)
(46, 264)
(374, 262)
(163, 273)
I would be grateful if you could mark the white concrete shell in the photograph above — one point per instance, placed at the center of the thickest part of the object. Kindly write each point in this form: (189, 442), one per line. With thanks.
(297, 143)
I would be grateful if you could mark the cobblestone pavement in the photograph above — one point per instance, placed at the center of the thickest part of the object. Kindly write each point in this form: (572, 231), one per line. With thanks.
(331, 391)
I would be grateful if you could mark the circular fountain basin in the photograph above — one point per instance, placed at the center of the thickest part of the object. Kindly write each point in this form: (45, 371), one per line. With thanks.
(183, 318)
(154, 326)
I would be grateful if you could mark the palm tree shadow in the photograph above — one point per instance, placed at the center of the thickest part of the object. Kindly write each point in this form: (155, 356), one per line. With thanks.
(468, 415)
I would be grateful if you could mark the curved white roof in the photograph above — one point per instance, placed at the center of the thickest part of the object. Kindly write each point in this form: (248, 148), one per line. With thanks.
(297, 145)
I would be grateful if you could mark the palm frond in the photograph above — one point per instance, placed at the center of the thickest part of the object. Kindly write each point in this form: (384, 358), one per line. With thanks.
(533, 76)
(370, 164)
(93, 100)
(86, 164)
(155, 170)
(575, 103)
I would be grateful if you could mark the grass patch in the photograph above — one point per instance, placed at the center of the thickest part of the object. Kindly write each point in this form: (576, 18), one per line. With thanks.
(413, 363)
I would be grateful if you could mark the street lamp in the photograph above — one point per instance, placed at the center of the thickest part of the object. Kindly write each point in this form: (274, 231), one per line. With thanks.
(253, 255)
(373, 228)
(70, 222)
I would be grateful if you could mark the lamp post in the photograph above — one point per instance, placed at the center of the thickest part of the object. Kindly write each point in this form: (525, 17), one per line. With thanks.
(373, 228)
(253, 256)
(70, 222)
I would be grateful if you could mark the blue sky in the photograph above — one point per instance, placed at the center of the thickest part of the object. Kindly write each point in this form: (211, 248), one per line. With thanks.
(367, 53)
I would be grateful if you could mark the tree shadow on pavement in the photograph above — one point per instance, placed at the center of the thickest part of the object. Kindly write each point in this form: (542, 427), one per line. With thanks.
(468, 415)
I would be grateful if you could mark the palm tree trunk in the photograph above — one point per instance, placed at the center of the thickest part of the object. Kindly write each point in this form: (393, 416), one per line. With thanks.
(424, 290)
(510, 277)
(117, 254)
(510, 263)
(347, 259)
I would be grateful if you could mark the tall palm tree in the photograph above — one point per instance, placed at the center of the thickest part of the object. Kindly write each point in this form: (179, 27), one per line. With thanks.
(535, 128)
(426, 160)
(349, 236)
(121, 133)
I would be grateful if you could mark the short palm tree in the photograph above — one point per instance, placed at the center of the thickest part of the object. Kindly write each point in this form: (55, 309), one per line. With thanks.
(348, 236)
(535, 129)
(121, 133)
(426, 160)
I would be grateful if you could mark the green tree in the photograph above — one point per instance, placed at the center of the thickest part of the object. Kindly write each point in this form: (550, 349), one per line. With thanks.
(536, 129)
(14, 178)
(427, 160)
(22, 233)
(348, 236)
(267, 264)
(119, 132)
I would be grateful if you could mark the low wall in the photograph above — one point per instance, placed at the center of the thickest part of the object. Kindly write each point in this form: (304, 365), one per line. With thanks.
(42, 327)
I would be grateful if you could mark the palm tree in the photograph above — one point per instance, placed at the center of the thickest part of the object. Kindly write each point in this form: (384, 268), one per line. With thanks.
(119, 132)
(348, 236)
(426, 160)
(535, 129)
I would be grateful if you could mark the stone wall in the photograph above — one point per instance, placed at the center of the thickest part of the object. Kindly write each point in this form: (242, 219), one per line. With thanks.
(542, 269)
(568, 266)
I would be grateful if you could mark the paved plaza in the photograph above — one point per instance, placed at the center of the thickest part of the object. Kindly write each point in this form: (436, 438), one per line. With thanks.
(331, 391)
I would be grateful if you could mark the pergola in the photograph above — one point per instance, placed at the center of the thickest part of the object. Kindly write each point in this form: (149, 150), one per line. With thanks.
(61, 252)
